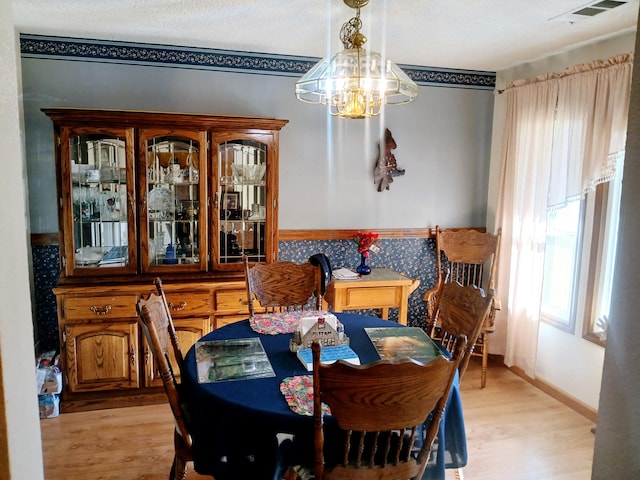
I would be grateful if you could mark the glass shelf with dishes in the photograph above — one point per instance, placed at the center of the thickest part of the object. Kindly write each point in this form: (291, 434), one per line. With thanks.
(164, 194)
(99, 200)
(243, 196)
(173, 201)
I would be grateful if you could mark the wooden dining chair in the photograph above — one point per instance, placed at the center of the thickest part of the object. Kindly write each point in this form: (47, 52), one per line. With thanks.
(281, 286)
(380, 409)
(155, 320)
(460, 310)
(469, 257)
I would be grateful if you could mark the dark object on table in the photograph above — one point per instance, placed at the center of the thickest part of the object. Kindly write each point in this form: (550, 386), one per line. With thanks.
(322, 261)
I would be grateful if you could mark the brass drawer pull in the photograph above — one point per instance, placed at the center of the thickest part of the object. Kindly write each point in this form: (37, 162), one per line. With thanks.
(177, 308)
(101, 311)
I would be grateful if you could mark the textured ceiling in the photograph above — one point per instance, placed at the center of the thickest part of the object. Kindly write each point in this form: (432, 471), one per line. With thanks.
(488, 35)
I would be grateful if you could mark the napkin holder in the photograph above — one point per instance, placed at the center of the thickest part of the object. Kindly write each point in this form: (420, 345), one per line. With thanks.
(321, 330)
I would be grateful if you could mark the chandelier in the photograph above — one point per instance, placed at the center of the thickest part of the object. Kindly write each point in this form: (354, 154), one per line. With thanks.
(355, 83)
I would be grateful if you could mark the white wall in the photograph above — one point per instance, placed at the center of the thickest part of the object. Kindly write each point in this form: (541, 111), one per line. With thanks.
(566, 361)
(23, 456)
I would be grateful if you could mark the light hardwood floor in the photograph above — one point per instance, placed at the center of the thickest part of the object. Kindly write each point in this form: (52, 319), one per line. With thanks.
(517, 432)
(514, 431)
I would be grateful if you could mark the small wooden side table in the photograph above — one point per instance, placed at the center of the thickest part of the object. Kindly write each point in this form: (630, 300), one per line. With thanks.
(383, 288)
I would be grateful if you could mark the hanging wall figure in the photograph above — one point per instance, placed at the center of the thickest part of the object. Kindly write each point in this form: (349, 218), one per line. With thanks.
(386, 165)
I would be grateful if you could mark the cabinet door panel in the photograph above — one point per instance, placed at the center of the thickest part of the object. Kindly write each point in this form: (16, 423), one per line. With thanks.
(97, 204)
(244, 213)
(174, 186)
(102, 357)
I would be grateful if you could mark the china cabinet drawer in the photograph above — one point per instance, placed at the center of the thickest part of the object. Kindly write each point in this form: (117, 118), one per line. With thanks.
(189, 304)
(100, 308)
(231, 301)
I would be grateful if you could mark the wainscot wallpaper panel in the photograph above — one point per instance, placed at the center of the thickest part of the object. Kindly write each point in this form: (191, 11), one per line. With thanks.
(414, 257)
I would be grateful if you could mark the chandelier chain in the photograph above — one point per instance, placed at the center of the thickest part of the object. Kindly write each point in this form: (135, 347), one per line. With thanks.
(350, 32)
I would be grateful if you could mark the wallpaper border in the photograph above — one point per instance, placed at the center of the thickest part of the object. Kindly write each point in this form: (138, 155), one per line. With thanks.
(110, 51)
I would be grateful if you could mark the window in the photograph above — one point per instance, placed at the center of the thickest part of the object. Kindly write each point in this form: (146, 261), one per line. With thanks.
(579, 260)
(561, 262)
(602, 254)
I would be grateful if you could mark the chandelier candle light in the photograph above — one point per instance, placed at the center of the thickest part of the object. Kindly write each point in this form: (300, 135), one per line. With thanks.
(367, 242)
(355, 83)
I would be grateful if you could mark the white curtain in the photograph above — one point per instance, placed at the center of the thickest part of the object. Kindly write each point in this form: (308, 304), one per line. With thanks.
(522, 215)
(593, 104)
(559, 132)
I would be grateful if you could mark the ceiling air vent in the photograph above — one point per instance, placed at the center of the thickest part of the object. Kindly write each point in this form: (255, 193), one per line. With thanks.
(587, 11)
(607, 4)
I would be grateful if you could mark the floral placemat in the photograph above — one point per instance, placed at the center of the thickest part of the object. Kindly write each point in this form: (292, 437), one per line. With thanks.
(284, 322)
(298, 392)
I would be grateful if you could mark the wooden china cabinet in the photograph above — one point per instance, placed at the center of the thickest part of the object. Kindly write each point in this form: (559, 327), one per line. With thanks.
(146, 194)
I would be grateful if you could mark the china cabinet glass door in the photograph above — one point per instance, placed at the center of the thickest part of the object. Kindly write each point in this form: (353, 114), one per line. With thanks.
(243, 198)
(99, 169)
(174, 211)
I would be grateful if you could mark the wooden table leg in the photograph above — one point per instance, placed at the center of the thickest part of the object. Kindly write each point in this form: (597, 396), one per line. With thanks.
(485, 358)
(403, 307)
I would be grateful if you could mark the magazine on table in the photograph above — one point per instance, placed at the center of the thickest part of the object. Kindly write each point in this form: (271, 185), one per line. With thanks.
(393, 343)
(329, 355)
(233, 359)
(345, 274)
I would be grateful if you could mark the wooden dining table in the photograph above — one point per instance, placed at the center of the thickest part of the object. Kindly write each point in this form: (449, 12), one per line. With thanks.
(246, 429)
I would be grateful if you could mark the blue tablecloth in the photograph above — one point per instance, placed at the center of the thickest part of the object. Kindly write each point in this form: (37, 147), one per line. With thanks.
(234, 423)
